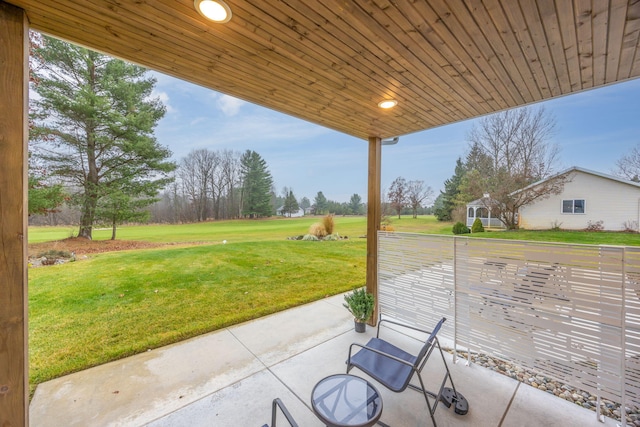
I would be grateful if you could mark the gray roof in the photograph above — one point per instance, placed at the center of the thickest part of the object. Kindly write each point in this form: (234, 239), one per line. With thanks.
(583, 170)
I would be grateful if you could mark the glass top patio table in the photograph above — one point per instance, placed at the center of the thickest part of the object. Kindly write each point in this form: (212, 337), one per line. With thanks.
(345, 400)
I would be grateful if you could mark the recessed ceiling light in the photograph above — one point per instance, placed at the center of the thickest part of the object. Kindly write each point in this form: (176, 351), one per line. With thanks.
(213, 10)
(389, 103)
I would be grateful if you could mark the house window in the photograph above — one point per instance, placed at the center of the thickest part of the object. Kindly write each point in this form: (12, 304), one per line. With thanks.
(482, 213)
(470, 214)
(575, 206)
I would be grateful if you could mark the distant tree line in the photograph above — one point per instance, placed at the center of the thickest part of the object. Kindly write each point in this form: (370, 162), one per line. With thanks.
(225, 184)
(217, 184)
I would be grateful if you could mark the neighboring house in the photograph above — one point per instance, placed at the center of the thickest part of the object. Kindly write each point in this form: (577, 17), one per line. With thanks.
(297, 214)
(588, 197)
(478, 209)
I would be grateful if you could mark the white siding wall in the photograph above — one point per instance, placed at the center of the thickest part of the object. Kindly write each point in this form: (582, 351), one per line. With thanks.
(605, 200)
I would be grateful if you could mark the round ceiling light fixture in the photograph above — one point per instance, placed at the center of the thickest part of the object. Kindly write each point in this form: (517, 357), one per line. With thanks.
(213, 10)
(387, 103)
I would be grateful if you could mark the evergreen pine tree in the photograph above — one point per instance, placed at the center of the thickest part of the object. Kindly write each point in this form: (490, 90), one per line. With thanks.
(321, 204)
(256, 186)
(290, 204)
(96, 117)
(450, 193)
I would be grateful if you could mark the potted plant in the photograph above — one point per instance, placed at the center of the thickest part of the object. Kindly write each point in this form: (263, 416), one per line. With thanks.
(360, 303)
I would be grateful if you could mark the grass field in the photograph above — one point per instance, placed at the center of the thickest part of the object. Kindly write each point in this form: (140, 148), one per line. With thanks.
(112, 305)
(115, 304)
(232, 231)
(581, 237)
(279, 228)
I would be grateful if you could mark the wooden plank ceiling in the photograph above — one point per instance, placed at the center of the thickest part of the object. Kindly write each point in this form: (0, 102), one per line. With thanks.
(331, 61)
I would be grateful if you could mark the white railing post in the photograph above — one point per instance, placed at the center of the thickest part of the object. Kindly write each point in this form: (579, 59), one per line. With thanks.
(623, 342)
(455, 303)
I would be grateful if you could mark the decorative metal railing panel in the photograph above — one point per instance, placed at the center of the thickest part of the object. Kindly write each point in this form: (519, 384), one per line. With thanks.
(632, 324)
(571, 312)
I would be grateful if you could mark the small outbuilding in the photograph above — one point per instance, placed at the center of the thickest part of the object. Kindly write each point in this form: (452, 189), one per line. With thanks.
(297, 214)
(588, 199)
(479, 208)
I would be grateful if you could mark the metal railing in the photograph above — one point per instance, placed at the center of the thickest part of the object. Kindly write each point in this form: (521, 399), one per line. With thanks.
(570, 312)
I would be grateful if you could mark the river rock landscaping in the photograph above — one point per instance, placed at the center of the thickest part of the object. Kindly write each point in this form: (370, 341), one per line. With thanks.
(586, 400)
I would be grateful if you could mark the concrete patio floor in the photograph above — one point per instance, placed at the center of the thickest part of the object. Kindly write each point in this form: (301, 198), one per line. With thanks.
(230, 377)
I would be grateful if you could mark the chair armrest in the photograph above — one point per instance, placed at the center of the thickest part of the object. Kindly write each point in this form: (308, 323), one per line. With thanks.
(399, 324)
(381, 353)
(277, 403)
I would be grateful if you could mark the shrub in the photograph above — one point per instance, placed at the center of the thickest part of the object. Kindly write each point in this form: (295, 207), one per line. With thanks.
(360, 303)
(310, 237)
(318, 230)
(54, 253)
(555, 226)
(332, 237)
(630, 226)
(594, 226)
(460, 228)
(328, 223)
(477, 226)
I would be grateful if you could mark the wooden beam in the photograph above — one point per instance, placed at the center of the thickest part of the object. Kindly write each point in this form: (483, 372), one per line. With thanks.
(14, 33)
(373, 220)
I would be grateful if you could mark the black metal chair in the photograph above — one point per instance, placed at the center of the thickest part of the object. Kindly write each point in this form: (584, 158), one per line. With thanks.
(394, 368)
(277, 403)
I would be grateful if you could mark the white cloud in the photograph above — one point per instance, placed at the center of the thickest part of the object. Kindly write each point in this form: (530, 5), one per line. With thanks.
(164, 98)
(229, 105)
(197, 120)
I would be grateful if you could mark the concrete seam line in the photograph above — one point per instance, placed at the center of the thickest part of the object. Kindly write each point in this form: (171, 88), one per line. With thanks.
(506, 411)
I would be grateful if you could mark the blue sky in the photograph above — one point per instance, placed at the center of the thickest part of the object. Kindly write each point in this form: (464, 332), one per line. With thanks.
(594, 129)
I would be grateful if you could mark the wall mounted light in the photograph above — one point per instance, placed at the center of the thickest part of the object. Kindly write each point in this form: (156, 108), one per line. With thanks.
(213, 10)
(388, 103)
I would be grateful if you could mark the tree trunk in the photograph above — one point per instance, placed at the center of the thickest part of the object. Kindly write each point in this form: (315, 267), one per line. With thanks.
(113, 229)
(91, 186)
(86, 219)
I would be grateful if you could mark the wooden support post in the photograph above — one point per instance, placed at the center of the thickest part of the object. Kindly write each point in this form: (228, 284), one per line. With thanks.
(14, 77)
(373, 220)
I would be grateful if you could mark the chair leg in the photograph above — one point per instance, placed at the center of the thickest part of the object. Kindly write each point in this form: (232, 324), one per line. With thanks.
(450, 395)
(445, 395)
(277, 403)
(426, 393)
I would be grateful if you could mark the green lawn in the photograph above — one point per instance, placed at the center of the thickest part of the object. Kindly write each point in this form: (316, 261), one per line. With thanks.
(280, 228)
(232, 231)
(116, 304)
(113, 305)
(582, 237)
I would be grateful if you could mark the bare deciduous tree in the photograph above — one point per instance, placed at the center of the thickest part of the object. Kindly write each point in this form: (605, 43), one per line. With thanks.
(209, 184)
(517, 144)
(417, 194)
(628, 166)
(196, 174)
(229, 184)
(398, 194)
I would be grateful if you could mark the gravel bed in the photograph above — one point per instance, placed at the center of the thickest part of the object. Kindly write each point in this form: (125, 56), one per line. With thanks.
(609, 409)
